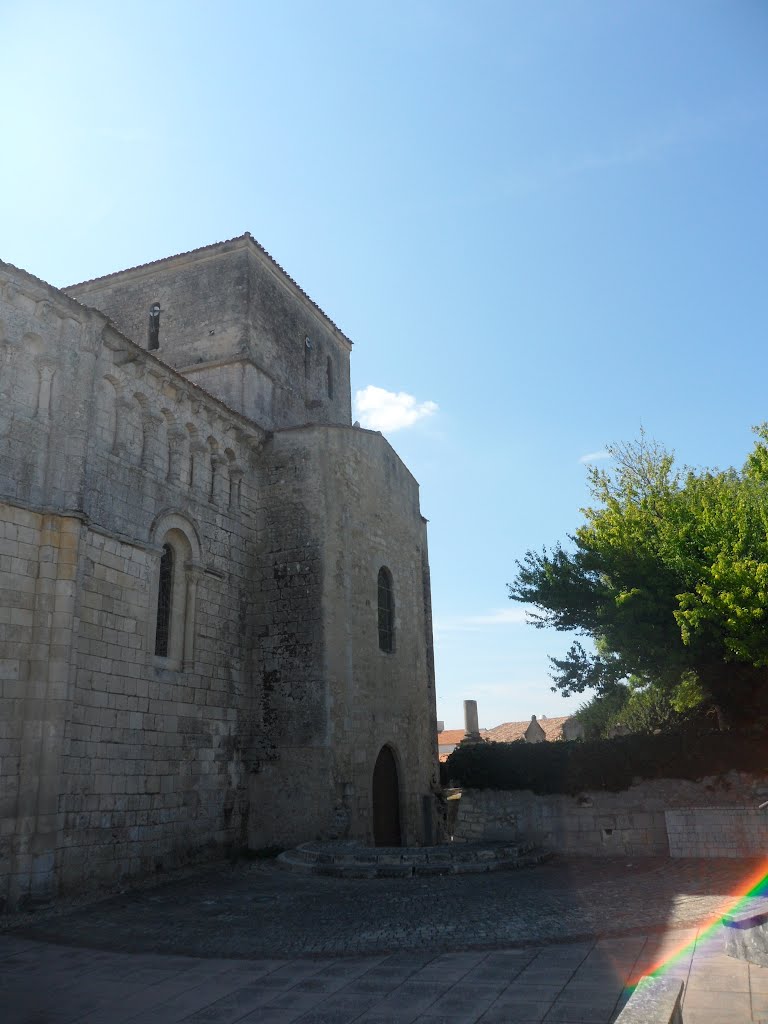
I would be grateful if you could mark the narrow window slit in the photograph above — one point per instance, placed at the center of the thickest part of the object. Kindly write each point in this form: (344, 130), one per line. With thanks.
(386, 611)
(164, 591)
(154, 326)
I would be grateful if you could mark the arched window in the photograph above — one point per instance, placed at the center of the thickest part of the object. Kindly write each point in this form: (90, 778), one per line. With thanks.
(164, 598)
(171, 623)
(386, 611)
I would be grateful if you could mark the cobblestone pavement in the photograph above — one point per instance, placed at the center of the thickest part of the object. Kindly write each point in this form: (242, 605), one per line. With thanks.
(259, 909)
(271, 947)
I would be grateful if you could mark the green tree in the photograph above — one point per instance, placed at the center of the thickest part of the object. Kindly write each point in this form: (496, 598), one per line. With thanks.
(668, 576)
(639, 707)
(598, 715)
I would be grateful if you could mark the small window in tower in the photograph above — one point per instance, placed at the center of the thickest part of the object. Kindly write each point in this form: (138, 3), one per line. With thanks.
(164, 592)
(329, 376)
(154, 326)
(386, 611)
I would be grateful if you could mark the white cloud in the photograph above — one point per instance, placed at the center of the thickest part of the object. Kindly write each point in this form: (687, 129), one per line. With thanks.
(474, 623)
(388, 411)
(594, 456)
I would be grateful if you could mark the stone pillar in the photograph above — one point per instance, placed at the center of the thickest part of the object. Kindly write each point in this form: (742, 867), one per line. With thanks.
(219, 493)
(125, 444)
(193, 573)
(154, 457)
(471, 728)
(199, 471)
(235, 486)
(177, 450)
(47, 370)
(45, 676)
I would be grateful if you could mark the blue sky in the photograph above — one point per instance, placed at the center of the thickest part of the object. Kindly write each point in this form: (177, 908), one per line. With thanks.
(543, 224)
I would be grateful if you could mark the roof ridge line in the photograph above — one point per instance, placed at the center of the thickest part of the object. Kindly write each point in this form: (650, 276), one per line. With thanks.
(246, 236)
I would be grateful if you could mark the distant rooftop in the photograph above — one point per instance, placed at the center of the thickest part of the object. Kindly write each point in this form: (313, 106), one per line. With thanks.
(508, 732)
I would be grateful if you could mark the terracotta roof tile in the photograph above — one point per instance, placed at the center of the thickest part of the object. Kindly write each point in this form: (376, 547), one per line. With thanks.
(508, 732)
(450, 736)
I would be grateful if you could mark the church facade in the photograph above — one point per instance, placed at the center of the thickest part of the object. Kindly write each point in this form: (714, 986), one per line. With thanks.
(215, 619)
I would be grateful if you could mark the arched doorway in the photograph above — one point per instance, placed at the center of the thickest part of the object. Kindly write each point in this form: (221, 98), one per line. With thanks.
(386, 800)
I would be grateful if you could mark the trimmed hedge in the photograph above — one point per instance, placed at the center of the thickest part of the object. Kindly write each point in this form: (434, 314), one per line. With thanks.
(572, 767)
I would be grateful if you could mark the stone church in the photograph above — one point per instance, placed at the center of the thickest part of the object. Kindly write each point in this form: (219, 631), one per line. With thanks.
(215, 624)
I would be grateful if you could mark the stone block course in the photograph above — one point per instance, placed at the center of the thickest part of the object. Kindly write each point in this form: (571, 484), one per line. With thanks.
(644, 821)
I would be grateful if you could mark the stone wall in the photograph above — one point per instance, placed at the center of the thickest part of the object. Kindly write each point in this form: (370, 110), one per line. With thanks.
(712, 817)
(261, 718)
(203, 300)
(717, 832)
(233, 322)
(115, 760)
(38, 572)
(342, 505)
(372, 522)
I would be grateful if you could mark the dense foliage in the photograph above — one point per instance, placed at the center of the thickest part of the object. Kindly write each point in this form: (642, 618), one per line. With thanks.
(643, 707)
(613, 764)
(669, 578)
(600, 715)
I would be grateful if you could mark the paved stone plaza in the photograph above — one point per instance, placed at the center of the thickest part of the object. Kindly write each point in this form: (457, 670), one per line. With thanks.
(251, 943)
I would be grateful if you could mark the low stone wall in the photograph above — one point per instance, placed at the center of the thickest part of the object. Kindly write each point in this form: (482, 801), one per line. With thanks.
(714, 817)
(717, 832)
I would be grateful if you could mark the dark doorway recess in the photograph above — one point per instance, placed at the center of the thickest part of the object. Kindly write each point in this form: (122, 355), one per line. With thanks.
(386, 800)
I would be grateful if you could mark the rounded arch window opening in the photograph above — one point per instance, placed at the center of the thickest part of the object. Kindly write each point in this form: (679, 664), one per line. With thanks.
(171, 621)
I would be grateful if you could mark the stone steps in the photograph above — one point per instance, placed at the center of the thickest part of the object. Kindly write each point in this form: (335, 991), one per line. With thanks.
(350, 859)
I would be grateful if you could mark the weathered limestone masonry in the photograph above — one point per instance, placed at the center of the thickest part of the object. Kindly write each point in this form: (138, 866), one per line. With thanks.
(263, 346)
(189, 653)
(349, 495)
(715, 817)
(717, 831)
